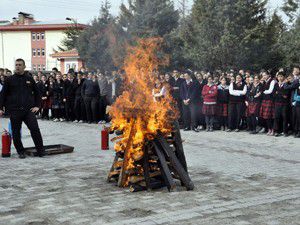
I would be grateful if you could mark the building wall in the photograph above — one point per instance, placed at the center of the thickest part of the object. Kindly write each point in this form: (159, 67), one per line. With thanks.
(38, 45)
(16, 44)
(53, 40)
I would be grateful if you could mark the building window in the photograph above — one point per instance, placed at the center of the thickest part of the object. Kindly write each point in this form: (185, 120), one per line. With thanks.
(34, 52)
(33, 36)
(39, 67)
(44, 67)
(38, 36)
(42, 36)
(34, 67)
(43, 52)
(38, 52)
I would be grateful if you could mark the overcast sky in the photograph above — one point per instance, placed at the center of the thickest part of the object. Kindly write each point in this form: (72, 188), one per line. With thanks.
(83, 10)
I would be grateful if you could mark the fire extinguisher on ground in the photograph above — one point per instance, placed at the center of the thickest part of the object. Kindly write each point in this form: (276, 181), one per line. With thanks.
(6, 143)
(105, 138)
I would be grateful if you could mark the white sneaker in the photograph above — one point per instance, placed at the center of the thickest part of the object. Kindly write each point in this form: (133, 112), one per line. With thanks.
(62, 120)
(55, 120)
(75, 121)
(80, 121)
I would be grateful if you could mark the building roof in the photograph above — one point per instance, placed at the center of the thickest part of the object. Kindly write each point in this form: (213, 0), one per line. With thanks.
(26, 22)
(66, 54)
(39, 26)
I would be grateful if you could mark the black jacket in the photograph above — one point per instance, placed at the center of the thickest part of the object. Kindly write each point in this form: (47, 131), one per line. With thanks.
(69, 89)
(281, 95)
(177, 84)
(77, 88)
(90, 88)
(58, 92)
(20, 92)
(43, 88)
(252, 91)
(190, 91)
(292, 87)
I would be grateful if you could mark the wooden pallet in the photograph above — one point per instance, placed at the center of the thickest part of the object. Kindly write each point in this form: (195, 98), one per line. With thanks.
(51, 150)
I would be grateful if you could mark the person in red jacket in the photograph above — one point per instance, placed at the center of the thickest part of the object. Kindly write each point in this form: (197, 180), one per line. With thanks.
(210, 94)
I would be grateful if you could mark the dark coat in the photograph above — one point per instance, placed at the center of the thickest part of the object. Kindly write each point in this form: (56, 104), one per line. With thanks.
(190, 91)
(20, 92)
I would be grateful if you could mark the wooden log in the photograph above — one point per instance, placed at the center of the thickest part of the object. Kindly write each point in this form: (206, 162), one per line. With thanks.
(136, 188)
(178, 167)
(118, 164)
(165, 171)
(178, 145)
(146, 166)
(123, 176)
(136, 179)
(116, 138)
(112, 168)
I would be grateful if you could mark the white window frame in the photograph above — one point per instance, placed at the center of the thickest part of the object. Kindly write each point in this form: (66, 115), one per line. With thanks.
(38, 52)
(33, 36)
(34, 52)
(37, 36)
(43, 52)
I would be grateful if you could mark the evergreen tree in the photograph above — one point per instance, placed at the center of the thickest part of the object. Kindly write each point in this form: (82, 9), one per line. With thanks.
(100, 44)
(291, 9)
(71, 37)
(149, 18)
(289, 45)
(226, 33)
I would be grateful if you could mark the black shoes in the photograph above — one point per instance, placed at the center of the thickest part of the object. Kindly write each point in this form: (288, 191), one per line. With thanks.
(187, 129)
(41, 154)
(196, 130)
(22, 155)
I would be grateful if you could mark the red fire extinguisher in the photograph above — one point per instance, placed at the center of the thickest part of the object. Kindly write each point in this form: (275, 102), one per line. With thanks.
(6, 143)
(105, 138)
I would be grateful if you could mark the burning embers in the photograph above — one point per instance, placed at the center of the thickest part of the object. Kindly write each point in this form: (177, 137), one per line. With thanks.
(149, 154)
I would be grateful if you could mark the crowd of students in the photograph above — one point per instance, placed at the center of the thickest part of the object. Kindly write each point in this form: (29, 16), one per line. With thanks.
(78, 97)
(258, 103)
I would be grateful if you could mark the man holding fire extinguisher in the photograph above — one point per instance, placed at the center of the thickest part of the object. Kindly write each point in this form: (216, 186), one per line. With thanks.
(21, 98)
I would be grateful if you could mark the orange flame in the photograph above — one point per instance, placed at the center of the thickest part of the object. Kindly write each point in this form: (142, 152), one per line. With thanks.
(136, 112)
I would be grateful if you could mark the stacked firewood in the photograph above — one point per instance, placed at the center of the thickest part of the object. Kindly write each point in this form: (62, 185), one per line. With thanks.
(162, 163)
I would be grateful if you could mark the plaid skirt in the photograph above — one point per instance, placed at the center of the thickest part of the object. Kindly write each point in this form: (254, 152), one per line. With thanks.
(253, 109)
(210, 110)
(223, 109)
(267, 109)
(46, 104)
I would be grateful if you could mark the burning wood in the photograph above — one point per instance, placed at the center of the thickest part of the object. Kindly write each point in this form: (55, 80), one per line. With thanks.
(149, 154)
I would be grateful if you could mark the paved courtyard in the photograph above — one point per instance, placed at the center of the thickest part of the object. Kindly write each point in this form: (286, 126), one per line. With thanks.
(238, 180)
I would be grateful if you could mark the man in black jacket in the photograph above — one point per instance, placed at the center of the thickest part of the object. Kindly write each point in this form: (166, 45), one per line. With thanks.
(190, 95)
(90, 92)
(21, 98)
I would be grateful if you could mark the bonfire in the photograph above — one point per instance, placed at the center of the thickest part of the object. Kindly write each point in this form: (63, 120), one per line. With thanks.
(149, 152)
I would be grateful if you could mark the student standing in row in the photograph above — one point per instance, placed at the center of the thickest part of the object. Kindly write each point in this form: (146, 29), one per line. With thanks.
(267, 105)
(253, 103)
(58, 105)
(223, 98)
(210, 93)
(237, 94)
(79, 106)
(281, 104)
(188, 94)
(90, 92)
